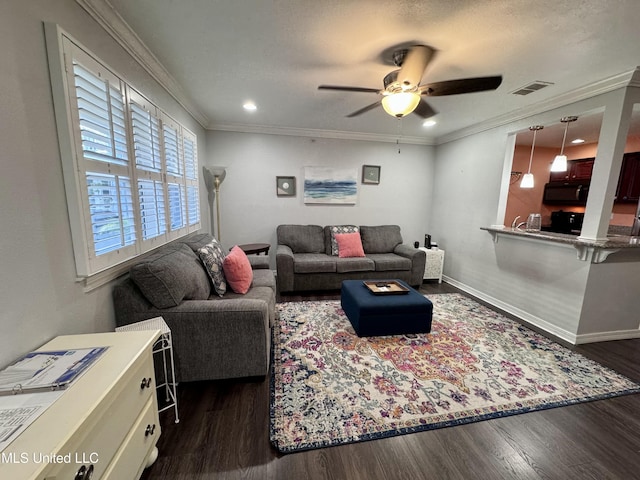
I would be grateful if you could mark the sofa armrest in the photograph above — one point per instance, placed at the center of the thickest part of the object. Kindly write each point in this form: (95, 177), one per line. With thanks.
(216, 339)
(284, 268)
(259, 261)
(418, 260)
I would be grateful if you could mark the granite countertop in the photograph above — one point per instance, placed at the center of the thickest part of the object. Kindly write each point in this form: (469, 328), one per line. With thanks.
(612, 242)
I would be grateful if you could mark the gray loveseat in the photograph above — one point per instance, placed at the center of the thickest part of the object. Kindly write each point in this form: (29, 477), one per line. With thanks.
(305, 261)
(213, 337)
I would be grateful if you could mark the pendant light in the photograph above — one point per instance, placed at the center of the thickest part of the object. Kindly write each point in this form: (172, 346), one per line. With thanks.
(527, 178)
(560, 162)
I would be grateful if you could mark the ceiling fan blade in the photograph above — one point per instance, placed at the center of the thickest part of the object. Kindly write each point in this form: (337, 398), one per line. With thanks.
(349, 89)
(463, 85)
(413, 65)
(363, 110)
(424, 110)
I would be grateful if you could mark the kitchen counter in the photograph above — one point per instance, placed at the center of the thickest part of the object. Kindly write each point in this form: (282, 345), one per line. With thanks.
(594, 250)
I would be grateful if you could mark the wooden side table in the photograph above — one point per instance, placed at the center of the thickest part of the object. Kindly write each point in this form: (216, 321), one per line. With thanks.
(257, 248)
(434, 265)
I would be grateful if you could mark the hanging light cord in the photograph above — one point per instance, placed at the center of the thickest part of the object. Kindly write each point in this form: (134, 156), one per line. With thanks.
(533, 144)
(564, 138)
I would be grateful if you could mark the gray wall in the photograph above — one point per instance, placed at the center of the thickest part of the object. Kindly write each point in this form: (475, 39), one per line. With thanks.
(541, 282)
(40, 298)
(250, 209)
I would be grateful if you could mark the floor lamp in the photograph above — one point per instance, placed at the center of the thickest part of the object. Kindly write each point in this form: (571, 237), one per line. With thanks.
(213, 178)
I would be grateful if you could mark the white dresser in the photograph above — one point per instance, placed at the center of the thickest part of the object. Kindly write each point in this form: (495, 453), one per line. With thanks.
(104, 426)
(434, 265)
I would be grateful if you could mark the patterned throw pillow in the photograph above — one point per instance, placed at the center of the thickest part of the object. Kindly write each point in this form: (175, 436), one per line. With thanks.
(340, 229)
(212, 257)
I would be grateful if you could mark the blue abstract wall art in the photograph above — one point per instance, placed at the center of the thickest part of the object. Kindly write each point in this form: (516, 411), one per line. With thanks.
(330, 185)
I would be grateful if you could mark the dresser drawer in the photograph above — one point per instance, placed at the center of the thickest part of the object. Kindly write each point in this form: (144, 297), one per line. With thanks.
(138, 445)
(102, 435)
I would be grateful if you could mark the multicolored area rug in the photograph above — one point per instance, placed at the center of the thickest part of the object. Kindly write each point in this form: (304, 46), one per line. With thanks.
(330, 387)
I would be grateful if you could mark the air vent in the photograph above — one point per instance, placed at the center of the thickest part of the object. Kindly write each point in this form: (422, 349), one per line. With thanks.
(532, 87)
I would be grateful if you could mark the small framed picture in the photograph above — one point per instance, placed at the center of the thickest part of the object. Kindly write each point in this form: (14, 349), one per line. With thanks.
(371, 174)
(286, 186)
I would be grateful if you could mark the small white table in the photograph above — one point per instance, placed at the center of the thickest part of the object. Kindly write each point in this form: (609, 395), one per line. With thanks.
(434, 265)
(164, 347)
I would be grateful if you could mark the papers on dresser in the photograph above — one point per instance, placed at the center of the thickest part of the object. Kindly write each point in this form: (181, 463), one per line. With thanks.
(17, 412)
(44, 371)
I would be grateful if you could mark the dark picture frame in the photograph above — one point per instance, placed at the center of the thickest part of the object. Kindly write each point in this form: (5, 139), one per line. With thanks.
(371, 174)
(286, 186)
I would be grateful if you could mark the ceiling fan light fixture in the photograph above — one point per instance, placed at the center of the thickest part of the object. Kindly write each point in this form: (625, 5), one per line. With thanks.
(400, 104)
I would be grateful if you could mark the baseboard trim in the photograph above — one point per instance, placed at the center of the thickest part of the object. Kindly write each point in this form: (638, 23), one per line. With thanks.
(516, 312)
(607, 336)
(542, 324)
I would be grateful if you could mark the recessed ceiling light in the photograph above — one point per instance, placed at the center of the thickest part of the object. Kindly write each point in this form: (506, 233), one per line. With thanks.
(577, 140)
(250, 107)
(429, 123)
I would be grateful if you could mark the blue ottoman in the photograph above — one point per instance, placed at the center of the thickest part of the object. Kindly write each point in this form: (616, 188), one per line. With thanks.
(377, 315)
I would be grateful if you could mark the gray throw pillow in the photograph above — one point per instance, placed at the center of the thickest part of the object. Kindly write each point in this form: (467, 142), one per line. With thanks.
(212, 257)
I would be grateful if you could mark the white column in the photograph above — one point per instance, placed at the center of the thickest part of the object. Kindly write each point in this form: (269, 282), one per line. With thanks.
(606, 169)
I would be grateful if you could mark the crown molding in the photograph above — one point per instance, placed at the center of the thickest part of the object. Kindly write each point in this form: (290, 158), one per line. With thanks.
(316, 133)
(110, 20)
(622, 80)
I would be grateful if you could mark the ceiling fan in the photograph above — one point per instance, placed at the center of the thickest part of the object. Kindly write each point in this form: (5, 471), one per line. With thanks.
(402, 93)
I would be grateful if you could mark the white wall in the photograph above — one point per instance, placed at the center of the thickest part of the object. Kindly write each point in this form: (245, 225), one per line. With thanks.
(541, 282)
(40, 298)
(251, 211)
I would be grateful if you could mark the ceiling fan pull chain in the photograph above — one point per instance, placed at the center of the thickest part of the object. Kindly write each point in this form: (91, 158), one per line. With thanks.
(399, 134)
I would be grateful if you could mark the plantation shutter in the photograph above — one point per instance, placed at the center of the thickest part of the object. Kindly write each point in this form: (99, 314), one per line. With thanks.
(108, 199)
(174, 164)
(145, 126)
(191, 179)
(130, 170)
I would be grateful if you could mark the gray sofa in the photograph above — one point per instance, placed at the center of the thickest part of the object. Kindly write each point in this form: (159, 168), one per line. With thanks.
(213, 337)
(304, 258)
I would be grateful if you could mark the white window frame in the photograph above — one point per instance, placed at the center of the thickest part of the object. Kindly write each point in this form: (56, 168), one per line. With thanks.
(63, 51)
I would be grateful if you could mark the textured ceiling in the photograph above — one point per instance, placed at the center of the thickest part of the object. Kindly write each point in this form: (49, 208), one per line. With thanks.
(277, 52)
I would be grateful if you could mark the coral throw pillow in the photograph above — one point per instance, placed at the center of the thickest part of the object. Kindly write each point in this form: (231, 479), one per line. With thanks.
(237, 270)
(349, 245)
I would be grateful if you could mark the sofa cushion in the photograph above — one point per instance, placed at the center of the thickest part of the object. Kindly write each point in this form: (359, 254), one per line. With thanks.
(302, 238)
(330, 232)
(170, 275)
(237, 270)
(264, 278)
(380, 239)
(386, 262)
(349, 245)
(212, 257)
(197, 241)
(314, 263)
(355, 264)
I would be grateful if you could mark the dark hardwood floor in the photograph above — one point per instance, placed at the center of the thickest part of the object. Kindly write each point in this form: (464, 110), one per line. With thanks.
(224, 434)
